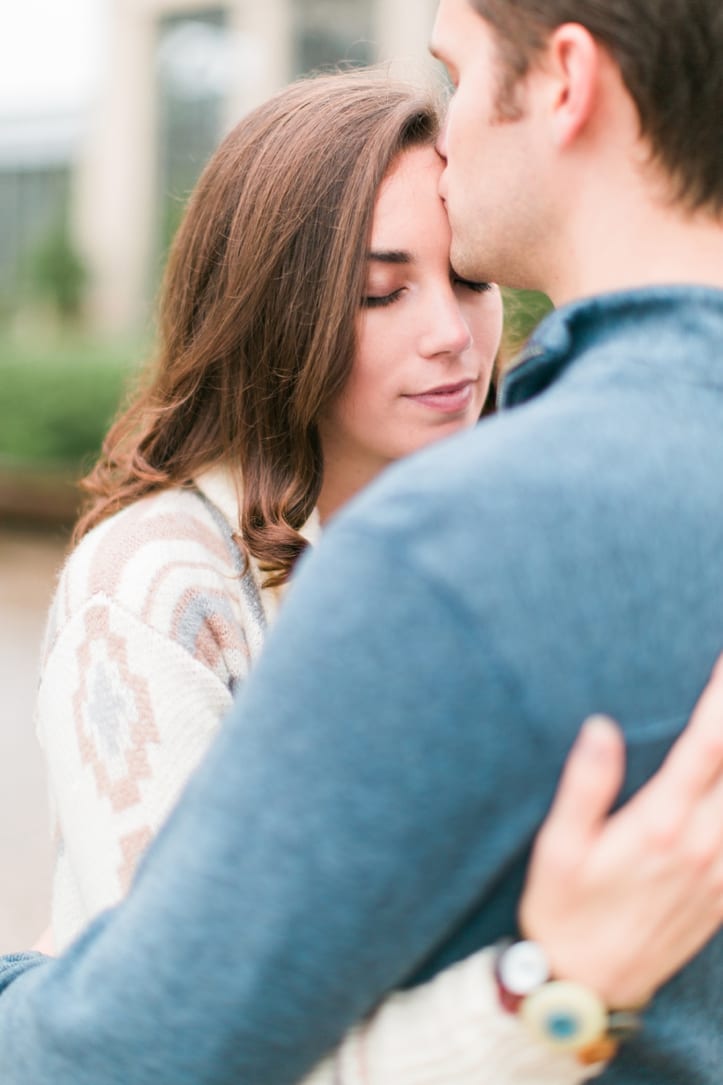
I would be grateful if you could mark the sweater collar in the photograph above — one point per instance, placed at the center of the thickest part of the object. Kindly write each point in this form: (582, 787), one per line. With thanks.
(223, 488)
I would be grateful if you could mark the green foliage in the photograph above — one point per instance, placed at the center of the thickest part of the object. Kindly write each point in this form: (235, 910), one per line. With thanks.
(57, 400)
(56, 403)
(56, 272)
(524, 309)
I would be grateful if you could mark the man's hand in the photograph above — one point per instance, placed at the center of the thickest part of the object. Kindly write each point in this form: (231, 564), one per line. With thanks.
(620, 902)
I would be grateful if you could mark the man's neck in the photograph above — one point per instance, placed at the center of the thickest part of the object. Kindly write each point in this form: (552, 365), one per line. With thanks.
(639, 243)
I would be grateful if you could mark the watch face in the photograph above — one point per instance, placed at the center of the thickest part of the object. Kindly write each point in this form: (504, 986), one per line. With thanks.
(566, 1016)
(523, 968)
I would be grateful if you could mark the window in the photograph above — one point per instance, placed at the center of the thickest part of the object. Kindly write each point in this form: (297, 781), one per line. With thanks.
(33, 206)
(193, 57)
(327, 33)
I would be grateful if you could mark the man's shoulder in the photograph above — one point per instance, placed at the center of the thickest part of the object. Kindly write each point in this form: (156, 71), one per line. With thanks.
(545, 502)
(606, 426)
(499, 472)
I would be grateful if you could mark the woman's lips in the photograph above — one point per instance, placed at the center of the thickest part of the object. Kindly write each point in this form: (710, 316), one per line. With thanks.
(447, 398)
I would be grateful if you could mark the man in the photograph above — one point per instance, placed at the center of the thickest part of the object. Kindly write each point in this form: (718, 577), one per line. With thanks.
(469, 610)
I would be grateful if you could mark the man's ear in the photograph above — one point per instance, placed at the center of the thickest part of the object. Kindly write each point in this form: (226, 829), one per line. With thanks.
(572, 62)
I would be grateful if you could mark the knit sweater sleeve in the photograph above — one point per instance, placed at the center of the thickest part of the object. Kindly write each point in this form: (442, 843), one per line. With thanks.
(450, 1031)
(146, 642)
(125, 715)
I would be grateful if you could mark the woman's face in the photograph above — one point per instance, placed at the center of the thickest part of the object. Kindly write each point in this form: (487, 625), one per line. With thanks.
(426, 340)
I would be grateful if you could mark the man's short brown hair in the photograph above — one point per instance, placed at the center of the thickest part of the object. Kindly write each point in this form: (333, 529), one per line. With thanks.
(670, 56)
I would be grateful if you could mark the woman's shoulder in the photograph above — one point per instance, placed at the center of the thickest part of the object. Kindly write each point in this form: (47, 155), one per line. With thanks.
(149, 557)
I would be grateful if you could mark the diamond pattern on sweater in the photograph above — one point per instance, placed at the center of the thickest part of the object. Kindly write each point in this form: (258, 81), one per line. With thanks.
(113, 716)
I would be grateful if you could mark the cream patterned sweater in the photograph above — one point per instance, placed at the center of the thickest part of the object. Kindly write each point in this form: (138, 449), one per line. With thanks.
(153, 626)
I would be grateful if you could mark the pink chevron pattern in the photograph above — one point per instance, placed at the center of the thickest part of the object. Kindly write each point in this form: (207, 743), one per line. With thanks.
(157, 620)
(112, 710)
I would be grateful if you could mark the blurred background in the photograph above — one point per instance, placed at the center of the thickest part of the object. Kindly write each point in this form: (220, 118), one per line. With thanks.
(108, 111)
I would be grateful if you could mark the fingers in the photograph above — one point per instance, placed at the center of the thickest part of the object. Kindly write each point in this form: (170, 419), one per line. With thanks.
(648, 880)
(695, 762)
(692, 770)
(591, 780)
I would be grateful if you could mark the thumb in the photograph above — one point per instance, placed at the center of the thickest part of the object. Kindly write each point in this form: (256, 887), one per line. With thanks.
(591, 779)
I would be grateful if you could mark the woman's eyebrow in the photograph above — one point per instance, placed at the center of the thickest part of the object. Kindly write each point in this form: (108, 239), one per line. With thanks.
(391, 256)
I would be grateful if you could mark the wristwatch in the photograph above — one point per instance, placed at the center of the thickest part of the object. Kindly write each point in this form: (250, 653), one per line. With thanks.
(565, 1015)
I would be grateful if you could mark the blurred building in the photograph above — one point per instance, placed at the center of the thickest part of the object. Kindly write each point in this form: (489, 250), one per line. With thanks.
(35, 179)
(178, 73)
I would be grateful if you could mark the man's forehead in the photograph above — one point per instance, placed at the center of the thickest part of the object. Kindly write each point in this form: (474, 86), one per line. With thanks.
(454, 19)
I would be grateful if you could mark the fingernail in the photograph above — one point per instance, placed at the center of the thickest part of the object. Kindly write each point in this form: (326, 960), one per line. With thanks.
(596, 734)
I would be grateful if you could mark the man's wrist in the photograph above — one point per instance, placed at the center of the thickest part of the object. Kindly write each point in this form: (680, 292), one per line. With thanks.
(565, 1015)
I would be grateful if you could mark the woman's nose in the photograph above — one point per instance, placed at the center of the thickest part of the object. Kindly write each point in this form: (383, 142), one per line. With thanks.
(445, 330)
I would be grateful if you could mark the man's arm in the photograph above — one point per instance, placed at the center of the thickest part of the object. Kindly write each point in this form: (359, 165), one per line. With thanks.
(337, 831)
(274, 909)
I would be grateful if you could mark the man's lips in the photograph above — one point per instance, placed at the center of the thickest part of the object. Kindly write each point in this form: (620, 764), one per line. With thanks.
(446, 398)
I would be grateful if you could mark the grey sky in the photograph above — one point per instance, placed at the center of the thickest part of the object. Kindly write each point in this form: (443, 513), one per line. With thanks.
(49, 55)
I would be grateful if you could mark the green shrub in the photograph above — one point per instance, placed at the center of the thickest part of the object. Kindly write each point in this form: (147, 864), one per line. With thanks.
(57, 273)
(56, 402)
(524, 309)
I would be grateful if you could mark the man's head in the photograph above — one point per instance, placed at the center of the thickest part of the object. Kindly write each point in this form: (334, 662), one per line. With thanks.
(565, 107)
(670, 56)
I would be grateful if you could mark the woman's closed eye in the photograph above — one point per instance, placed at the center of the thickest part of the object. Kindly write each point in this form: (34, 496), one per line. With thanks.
(468, 284)
(377, 301)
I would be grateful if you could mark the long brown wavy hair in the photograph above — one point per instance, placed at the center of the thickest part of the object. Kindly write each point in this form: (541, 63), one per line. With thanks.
(259, 304)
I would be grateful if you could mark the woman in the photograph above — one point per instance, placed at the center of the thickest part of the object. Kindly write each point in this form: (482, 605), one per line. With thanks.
(312, 331)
